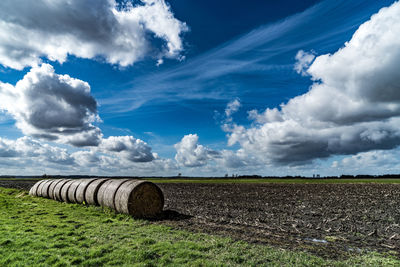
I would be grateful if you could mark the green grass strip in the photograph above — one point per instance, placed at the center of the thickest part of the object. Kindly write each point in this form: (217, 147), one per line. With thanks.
(41, 232)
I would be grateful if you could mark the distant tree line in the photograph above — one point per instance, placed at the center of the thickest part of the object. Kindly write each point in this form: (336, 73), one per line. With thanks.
(180, 176)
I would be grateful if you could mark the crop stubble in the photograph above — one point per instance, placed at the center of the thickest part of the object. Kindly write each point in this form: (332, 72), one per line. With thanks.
(327, 219)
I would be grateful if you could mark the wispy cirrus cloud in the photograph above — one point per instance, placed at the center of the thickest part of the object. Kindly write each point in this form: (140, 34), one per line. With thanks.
(256, 66)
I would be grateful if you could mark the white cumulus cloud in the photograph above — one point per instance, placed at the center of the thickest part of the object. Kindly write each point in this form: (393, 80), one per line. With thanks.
(51, 106)
(26, 148)
(35, 157)
(190, 153)
(31, 30)
(353, 105)
(59, 108)
(128, 147)
(377, 161)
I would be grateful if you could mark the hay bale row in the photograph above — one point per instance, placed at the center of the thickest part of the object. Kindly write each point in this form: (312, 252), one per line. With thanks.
(107, 192)
(135, 197)
(92, 190)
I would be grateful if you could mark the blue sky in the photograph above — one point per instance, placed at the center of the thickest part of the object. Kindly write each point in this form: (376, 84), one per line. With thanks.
(199, 87)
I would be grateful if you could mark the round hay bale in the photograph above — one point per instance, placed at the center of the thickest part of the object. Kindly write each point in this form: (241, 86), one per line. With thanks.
(140, 199)
(53, 186)
(40, 187)
(107, 191)
(58, 188)
(72, 191)
(64, 191)
(45, 188)
(33, 190)
(81, 190)
(92, 191)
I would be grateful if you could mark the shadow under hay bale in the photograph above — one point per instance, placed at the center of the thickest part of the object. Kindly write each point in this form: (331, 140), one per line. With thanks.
(92, 191)
(171, 215)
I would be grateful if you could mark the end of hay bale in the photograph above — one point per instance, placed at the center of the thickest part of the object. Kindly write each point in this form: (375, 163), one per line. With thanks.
(141, 199)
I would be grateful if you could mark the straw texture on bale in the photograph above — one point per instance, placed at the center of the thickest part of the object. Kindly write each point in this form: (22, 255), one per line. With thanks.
(72, 191)
(92, 191)
(40, 187)
(107, 191)
(81, 190)
(64, 191)
(45, 188)
(52, 187)
(58, 188)
(139, 199)
(33, 191)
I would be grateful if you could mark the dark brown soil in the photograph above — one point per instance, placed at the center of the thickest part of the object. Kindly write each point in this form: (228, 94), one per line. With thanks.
(23, 184)
(330, 220)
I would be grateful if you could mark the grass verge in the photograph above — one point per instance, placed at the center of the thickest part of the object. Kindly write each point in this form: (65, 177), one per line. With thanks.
(41, 232)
